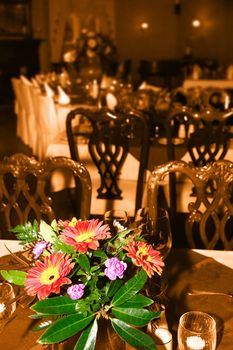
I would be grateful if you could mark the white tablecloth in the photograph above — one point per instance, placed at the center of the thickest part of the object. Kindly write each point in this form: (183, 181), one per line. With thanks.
(208, 83)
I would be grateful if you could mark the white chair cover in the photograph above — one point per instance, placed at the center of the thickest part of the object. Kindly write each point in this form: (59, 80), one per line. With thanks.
(19, 109)
(30, 113)
(47, 122)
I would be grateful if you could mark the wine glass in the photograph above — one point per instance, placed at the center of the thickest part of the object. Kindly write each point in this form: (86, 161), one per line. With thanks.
(160, 230)
(196, 331)
(7, 303)
(154, 224)
(117, 220)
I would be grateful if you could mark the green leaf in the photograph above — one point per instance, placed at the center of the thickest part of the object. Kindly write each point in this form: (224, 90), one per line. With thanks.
(138, 301)
(42, 325)
(14, 276)
(130, 288)
(133, 316)
(114, 286)
(39, 316)
(47, 232)
(62, 247)
(56, 306)
(95, 268)
(100, 254)
(87, 339)
(132, 336)
(84, 262)
(65, 328)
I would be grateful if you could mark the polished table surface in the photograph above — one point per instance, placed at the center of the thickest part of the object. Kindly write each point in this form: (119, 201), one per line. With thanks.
(187, 269)
(201, 270)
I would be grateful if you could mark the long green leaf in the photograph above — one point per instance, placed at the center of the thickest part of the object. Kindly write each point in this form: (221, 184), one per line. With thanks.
(84, 262)
(133, 336)
(130, 288)
(87, 339)
(65, 328)
(42, 325)
(138, 301)
(56, 306)
(135, 317)
(14, 276)
(114, 286)
(39, 316)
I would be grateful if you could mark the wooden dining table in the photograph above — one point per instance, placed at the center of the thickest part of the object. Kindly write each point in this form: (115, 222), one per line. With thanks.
(187, 270)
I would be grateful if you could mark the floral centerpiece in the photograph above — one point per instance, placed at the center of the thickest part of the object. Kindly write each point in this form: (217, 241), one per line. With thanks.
(97, 47)
(79, 273)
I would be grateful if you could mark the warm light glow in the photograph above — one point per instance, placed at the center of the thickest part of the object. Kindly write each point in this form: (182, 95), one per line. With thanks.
(144, 26)
(196, 23)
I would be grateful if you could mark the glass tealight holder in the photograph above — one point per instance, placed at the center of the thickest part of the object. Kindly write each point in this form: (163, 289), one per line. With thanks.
(196, 331)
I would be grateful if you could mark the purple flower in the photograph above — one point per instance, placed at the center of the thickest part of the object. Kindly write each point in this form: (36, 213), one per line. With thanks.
(76, 291)
(39, 248)
(115, 268)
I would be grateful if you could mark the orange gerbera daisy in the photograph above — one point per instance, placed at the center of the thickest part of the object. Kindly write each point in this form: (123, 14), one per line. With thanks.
(84, 235)
(48, 276)
(144, 255)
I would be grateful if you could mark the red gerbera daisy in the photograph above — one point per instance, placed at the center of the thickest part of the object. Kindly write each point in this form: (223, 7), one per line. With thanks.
(144, 255)
(48, 276)
(84, 235)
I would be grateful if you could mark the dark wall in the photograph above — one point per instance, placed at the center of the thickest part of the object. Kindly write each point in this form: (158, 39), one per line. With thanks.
(169, 33)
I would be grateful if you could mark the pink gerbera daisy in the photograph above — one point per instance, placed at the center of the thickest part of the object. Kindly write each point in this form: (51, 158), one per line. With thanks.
(144, 255)
(84, 235)
(48, 276)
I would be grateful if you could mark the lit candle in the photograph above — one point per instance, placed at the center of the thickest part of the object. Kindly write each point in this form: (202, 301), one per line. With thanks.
(195, 342)
(163, 339)
(162, 336)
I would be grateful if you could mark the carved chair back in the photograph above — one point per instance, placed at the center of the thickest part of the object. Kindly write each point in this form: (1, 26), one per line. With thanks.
(210, 140)
(109, 141)
(27, 189)
(209, 220)
(204, 135)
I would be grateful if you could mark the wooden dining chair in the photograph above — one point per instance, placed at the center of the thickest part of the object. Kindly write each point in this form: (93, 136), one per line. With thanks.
(203, 136)
(211, 138)
(111, 136)
(208, 220)
(29, 189)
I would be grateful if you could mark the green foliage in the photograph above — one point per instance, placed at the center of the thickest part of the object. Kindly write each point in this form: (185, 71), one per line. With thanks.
(133, 336)
(135, 316)
(138, 301)
(130, 288)
(14, 276)
(26, 233)
(64, 328)
(56, 306)
(88, 338)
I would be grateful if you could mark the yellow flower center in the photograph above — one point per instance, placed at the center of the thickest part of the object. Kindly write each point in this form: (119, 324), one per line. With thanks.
(142, 251)
(50, 275)
(84, 237)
